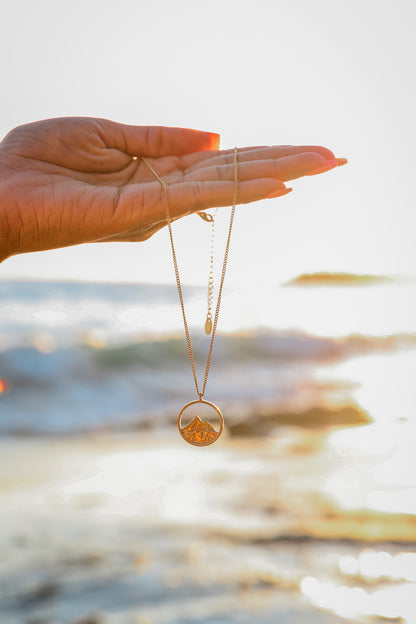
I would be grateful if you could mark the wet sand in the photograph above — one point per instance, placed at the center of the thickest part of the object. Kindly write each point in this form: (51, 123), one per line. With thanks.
(141, 528)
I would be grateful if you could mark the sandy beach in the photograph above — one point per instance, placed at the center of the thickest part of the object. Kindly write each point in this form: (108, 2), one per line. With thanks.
(141, 528)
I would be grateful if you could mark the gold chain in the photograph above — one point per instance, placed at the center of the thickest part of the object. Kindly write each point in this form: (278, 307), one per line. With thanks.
(210, 219)
(178, 281)
(210, 295)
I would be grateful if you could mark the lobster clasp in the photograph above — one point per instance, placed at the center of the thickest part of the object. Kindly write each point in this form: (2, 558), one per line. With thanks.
(205, 216)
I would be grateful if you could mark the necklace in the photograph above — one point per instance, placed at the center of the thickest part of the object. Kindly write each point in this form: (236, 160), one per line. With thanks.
(194, 419)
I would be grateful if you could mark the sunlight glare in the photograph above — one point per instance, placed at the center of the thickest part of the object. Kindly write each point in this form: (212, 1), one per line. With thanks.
(353, 602)
(375, 565)
(380, 384)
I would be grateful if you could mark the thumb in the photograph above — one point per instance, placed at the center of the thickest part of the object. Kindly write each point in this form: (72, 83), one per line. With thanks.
(156, 141)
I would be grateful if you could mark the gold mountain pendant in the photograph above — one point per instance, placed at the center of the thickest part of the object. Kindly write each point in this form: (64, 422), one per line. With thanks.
(197, 430)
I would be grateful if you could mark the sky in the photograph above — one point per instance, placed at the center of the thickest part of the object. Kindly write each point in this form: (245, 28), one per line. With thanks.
(328, 72)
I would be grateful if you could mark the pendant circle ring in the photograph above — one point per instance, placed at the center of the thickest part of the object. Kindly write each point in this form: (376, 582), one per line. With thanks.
(200, 432)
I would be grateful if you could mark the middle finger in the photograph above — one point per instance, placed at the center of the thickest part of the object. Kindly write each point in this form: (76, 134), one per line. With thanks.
(285, 168)
(223, 157)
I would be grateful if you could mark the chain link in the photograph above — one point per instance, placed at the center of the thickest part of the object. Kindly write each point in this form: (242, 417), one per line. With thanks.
(178, 280)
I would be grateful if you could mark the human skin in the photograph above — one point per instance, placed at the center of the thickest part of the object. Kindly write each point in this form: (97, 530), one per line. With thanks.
(81, 180)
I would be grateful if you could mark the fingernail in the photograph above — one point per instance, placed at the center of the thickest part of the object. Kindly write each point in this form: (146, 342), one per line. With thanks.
(341, 161)
(279, 193)
(330, 164)
(215, 140)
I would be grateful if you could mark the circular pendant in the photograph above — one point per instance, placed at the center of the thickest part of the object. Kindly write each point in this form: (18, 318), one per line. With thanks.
(194, 422)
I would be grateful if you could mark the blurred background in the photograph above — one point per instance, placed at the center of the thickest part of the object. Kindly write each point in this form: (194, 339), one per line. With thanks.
(305, 509)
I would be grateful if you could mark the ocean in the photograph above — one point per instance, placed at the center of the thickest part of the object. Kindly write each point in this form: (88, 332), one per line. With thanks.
(76, 356)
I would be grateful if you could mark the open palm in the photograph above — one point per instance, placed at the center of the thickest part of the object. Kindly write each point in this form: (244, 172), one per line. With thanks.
(77, 180)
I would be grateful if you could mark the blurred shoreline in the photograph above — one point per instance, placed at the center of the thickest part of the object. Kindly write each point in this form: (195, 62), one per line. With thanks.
(130, 525)
(304, 509)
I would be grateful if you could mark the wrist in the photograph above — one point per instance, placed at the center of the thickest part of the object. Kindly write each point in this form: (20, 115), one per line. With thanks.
(6, 247)
(7, 232)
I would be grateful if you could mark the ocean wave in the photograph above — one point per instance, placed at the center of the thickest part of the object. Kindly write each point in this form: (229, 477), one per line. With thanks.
(77, 356)
(66, 388)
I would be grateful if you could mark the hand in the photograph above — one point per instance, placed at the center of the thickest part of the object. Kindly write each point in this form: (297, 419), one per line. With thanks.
(80, 180)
